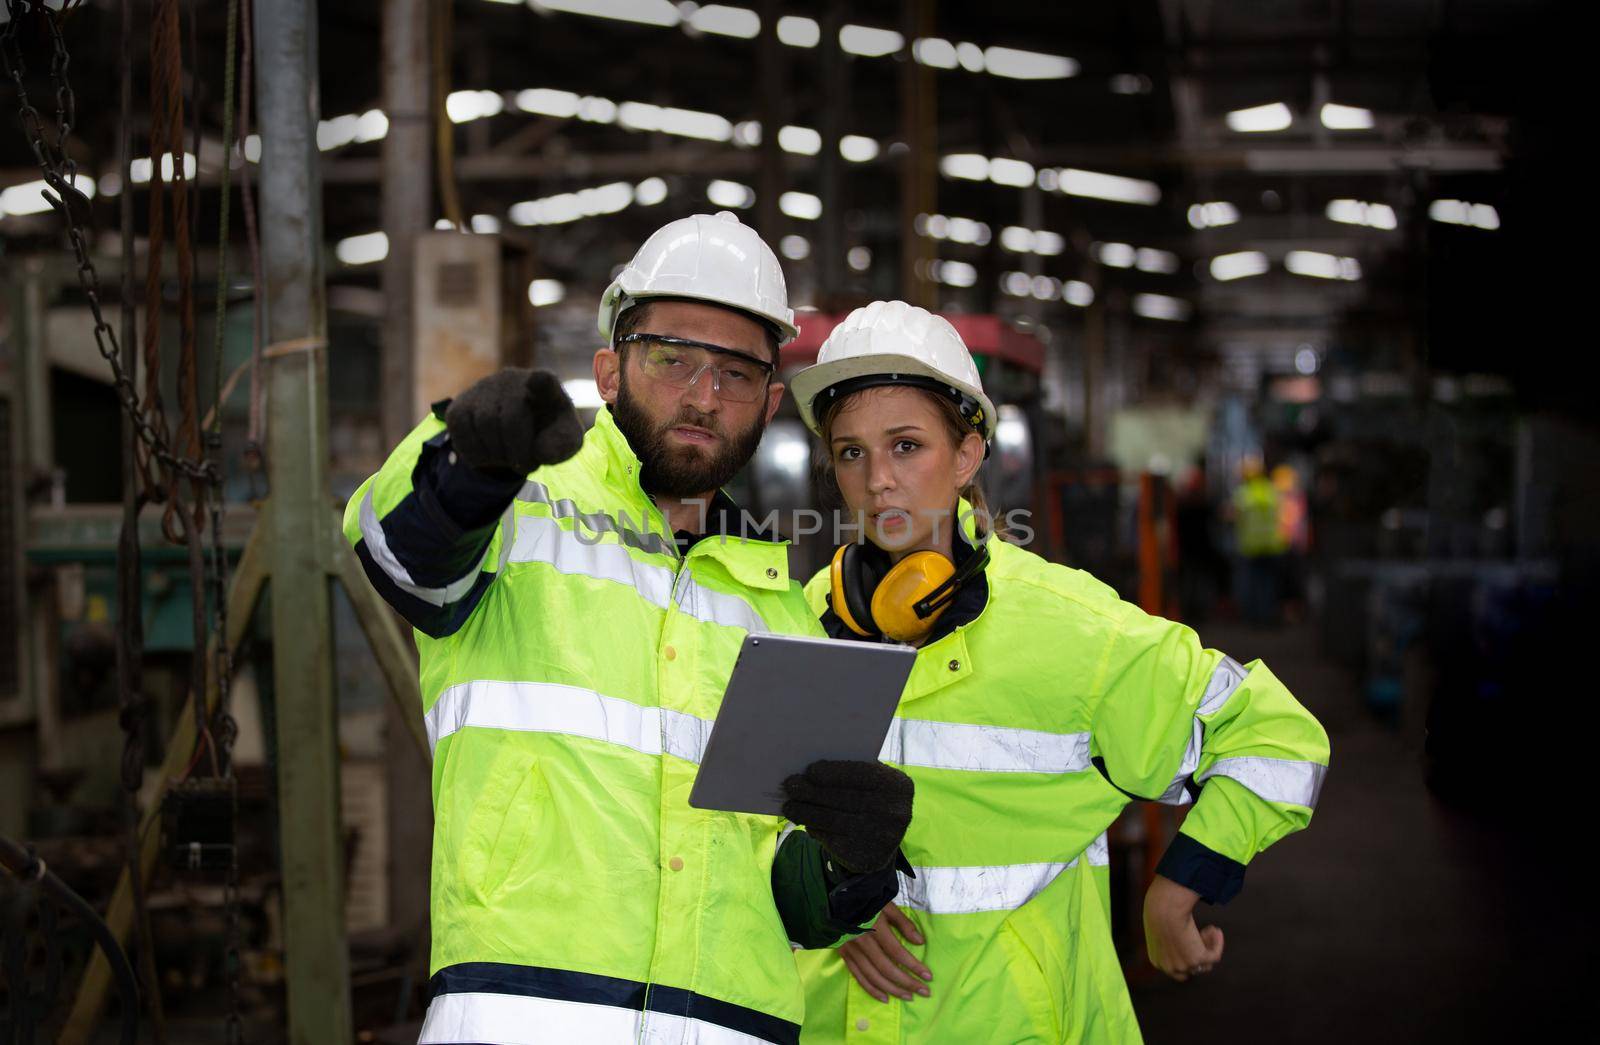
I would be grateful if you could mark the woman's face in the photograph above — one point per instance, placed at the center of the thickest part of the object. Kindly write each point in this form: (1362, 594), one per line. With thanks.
(898, 467)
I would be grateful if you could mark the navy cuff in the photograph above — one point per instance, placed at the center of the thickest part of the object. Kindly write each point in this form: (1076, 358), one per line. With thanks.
(469, 498)
(1215, 877)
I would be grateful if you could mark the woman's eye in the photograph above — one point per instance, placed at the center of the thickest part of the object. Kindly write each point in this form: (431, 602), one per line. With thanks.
(905, 446)
(850, 453)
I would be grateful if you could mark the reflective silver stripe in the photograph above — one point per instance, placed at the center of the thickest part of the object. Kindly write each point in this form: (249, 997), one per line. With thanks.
(986, 749)
(562, 508)
(1001, 887)
(1225, 679)
(1274, 779)
(513, 1019)
(715, 607)
(542, 539)
(549, 707)
(378, 545)
(684, 735)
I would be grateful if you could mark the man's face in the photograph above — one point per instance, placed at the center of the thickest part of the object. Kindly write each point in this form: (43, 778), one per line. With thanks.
(690, 440)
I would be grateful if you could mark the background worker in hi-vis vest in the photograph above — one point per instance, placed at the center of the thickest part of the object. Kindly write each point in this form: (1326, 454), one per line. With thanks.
(1040, 704)
(578, 613)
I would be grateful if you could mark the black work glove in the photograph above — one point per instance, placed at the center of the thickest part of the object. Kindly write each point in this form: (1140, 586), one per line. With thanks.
(859, 811)
(514, 421)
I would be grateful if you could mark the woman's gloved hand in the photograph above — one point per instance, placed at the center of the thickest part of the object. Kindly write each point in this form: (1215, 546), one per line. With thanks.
(514, 421)
(859, 811)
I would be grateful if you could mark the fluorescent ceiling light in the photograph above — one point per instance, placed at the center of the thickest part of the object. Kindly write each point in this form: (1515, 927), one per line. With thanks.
(747, 133)
(1016, 239)
(597, 110)
(955, 273)
(1321, 266)
(485, 224)
(795, 248)
(730, 194)
(1355, 212)
(1111, 187)
(583, 392)
(1160, 306)
(1130, 83)
(726, 21)
(570, 206)
(1028, 65)
(1346, 118)
(547, 292)
(1016, 284)
(1238, 265)
(859, 258)
(1046, 288)
(464, 106)
(685, 123)
(649, 12)
(858, 149)
(362, 250)
(1274, 116)
(967, 165)
(546, 101)
(869, 42)
(935, 53)
(970, 56)
(1212, 215)
(1016, 173)
(1076, 292)
(373, 126)
(966, 230)
(801, 205)
(28, 198)
(1048, 243)
(801, 140)
(1149, 259)
(650, 192)
(797, 31)
(1115, 255)
(139, 166)
(1459, 212)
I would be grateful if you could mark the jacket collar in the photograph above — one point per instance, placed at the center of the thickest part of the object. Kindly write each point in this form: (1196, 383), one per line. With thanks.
(754, 557)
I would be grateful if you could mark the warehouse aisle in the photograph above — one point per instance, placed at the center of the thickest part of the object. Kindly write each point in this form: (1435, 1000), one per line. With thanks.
(1394, 917)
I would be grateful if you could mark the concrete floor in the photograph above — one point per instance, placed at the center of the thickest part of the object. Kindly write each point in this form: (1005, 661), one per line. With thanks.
(1393, 917)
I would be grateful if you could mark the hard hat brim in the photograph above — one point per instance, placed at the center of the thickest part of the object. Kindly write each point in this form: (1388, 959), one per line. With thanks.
(811, 382)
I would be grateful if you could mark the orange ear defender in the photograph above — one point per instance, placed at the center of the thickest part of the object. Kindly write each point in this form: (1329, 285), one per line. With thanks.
(901, 601)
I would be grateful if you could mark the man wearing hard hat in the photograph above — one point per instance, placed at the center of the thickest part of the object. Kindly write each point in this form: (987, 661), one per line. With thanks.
(579, 601)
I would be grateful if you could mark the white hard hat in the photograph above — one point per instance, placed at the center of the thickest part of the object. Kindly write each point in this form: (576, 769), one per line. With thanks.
(891, 342)
(704, 257)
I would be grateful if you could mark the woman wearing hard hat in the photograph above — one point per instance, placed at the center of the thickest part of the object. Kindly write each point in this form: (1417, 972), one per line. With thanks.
(1039, 706)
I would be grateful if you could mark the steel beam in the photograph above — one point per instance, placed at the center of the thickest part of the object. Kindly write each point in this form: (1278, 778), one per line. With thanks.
(298, 520)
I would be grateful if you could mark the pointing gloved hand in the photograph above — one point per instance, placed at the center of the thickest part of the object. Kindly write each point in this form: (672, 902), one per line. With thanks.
(859, 811)
(514, 421)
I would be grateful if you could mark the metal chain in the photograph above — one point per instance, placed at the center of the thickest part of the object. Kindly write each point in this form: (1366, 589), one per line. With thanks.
(60, 173)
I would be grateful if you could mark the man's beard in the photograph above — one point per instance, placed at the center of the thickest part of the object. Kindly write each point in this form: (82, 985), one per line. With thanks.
(680, 471)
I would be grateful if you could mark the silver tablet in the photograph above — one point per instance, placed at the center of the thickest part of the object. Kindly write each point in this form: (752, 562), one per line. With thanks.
(790, 702)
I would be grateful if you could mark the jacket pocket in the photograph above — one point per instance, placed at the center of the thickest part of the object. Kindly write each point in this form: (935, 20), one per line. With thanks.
(497, 799)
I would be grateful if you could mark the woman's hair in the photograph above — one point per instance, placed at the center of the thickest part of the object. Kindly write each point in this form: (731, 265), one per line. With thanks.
(956, 426)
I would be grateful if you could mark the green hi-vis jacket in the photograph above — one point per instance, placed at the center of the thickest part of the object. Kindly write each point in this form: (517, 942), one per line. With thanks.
(572, 662)
(1027, 728)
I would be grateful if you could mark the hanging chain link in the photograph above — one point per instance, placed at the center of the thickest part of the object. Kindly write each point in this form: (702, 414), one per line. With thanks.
(61, 174)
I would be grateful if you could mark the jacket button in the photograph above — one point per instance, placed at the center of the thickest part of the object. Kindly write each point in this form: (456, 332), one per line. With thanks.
(676, 863)
(772, 572)
(671, 653)
(863, 1024)
(955, 665)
